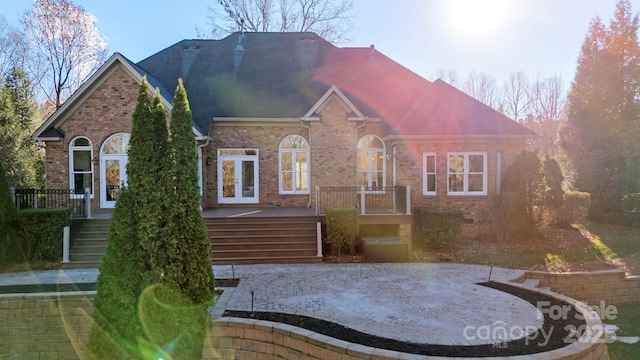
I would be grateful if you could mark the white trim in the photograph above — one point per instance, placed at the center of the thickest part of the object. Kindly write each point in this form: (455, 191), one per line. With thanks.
(123, 159)
(466, 174)
(425, 173)
(498, 171)
(320, 103)
(294, 152)
(72, 182)
(370, 162)
(239, 199)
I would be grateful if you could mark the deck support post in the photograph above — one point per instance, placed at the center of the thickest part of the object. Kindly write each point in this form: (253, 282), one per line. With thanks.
(319, 238)
(408, 200)
(65, 245)
(87, 196)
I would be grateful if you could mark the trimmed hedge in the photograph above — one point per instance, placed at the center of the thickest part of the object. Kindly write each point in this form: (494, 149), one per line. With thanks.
(7, 214)
(437, 227)
(343, 226)
(41, 232)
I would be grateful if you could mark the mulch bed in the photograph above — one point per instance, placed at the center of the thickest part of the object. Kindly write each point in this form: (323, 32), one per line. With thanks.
(557, 327)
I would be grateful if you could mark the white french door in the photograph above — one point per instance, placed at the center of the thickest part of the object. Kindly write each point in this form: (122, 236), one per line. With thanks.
(238, 176)
(113, 174)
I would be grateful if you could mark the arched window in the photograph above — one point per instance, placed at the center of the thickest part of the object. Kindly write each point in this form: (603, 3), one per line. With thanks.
(294, 165)
(371, 162)
(81, 165)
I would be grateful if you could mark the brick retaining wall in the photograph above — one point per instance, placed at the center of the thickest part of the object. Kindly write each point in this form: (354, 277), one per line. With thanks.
(592, 287)
(45, 326)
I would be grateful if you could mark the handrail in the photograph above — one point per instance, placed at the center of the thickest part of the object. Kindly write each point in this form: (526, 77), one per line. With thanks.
(53, 198)
(389, 200)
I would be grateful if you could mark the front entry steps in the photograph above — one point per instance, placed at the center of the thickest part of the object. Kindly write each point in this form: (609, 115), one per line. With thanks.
(263, 240)
(89, 245)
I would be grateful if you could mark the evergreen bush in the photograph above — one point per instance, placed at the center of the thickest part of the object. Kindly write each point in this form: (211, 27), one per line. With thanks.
(436, 228)
(343, 226)
(41, 231)
(7, 214)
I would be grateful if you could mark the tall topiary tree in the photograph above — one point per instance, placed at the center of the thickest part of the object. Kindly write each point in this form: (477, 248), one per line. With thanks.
(146, 174)
(124, 272)
(190, 256)
(117, 322)
(186, 240)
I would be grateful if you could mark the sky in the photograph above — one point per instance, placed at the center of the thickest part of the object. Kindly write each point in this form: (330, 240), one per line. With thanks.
(541, 38)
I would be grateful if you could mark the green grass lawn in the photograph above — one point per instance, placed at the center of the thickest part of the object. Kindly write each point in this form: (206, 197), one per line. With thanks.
(628, 320)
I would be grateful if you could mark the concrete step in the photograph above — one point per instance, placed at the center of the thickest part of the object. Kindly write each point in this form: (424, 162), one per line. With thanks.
(267, 260)
(532, 283)
(82, 265)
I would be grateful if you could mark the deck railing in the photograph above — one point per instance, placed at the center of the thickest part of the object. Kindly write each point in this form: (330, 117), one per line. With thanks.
(54, 198)
(387, 200)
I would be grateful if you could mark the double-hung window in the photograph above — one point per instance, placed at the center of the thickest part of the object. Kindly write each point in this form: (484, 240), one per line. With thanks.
(294, 165)
(371, 162)
(81, 165)
(429, 173)
(467, 173)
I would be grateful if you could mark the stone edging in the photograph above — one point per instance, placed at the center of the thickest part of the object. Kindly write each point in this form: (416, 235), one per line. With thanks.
(238, 338)
(593, 287)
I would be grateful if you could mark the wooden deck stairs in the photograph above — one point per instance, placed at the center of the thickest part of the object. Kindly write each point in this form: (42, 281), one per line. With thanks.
(247, 240)
(263, 240)
(88, 245)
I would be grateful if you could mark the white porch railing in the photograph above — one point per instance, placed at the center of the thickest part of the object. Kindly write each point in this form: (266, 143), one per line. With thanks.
(388, 200)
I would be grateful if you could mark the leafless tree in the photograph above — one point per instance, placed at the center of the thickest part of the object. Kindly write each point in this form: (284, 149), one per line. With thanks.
(484, 88)
(328, 18)
(450, 76)
(516, 96)
(548, 105)
(67, 44)
(14, 48)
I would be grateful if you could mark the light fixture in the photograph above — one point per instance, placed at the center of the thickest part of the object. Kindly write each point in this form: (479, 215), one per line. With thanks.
(208, 160)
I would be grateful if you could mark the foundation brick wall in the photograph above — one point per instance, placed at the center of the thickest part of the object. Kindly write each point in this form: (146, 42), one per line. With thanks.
(610, 287)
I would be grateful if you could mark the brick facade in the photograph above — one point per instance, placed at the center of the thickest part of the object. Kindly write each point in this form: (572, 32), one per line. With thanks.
(108, 110)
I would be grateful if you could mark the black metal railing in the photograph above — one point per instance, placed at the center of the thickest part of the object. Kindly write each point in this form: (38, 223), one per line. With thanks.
(52, 198)
(368, 200)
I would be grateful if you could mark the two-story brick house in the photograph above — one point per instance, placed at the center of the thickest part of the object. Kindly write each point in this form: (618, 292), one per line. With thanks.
(278, 114)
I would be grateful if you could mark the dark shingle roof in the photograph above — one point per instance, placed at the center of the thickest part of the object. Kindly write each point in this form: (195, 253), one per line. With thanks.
(282, 75)
(272, 79)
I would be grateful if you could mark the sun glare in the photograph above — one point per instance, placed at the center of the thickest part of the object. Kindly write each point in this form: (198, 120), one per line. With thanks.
(477, 22)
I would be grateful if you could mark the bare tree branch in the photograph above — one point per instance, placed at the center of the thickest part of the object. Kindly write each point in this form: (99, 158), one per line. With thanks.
(330, 19)
(67, 40)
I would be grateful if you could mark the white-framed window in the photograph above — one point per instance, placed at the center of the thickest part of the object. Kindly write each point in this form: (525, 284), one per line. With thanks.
(429, 173)
(371, 162)
(80, 166)
(467, 173)
(294, 165)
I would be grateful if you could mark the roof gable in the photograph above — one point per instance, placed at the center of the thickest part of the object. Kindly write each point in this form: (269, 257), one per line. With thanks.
(312, 114)
(50, 129)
